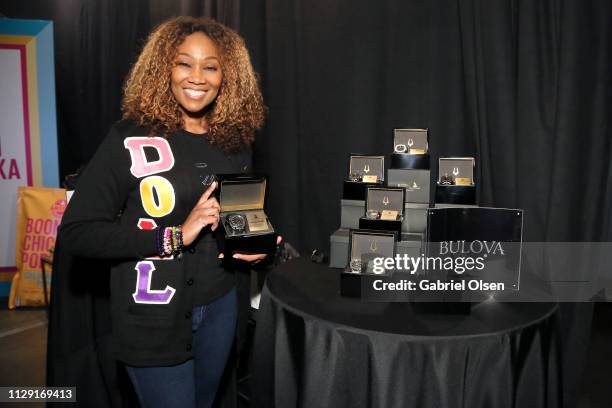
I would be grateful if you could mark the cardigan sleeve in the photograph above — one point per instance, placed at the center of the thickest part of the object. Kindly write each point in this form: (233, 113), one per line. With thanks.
(90, 226)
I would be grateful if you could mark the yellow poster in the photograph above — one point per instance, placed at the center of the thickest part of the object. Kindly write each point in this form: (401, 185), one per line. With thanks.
(39, 212)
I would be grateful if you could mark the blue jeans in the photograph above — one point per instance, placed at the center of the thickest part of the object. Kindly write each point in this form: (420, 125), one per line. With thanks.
(193, 383)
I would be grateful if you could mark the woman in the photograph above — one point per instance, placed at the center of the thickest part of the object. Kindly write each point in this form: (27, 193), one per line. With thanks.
(191, 107)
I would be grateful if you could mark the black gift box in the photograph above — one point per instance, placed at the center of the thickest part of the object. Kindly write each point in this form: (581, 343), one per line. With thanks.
(452, 172)
(365, 246)
(356, 190)
(371, 173)
(241, 198)
(381, 225)
(455, 194)
(379, 200)
(411, 147)
(409, 161)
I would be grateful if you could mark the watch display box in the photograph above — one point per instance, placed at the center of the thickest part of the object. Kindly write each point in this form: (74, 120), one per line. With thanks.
(364, 247)
(244, 226)
(410, 149)
(409, 244)
(456, 184)
(415, 182)
(363, 171)
(384, 210)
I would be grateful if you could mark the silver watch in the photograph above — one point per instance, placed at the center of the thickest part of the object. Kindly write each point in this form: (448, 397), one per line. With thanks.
(237, 222)
(400, 148)
(372, 215)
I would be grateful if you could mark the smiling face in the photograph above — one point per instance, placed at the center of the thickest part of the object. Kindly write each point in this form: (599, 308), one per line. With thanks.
(196, 75)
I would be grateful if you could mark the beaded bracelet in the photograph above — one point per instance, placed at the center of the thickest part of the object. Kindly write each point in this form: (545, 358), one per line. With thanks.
(169, 240)
(178, 236)
(177, 239)
(172, 239)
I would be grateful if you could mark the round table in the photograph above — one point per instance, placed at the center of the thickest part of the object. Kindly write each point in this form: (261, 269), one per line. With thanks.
(314, 348)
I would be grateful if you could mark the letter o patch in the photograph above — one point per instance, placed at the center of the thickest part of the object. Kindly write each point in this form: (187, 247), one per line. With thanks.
(156, 186)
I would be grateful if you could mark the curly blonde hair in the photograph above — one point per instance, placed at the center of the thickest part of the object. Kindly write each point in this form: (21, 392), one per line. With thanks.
(236, 113)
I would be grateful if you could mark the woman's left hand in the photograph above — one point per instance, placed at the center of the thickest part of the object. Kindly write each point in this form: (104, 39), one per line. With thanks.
(253, 258)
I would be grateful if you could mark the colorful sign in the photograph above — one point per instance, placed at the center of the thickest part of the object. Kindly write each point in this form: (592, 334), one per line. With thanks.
(28, 132)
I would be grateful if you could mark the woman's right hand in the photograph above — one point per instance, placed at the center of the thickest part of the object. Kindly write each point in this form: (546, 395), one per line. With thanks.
(205, 212)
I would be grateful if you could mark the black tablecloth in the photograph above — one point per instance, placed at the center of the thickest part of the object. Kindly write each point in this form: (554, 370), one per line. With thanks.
(314, 349)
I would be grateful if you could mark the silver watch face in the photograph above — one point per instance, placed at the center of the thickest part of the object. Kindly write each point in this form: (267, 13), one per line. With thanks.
(237, 222)
(447, 180)
(372, 215)
(354, 177)
(400, 148)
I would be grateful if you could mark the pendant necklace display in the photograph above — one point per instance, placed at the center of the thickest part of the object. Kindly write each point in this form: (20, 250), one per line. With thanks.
(385, 201)
(366, 168)
(410, 143)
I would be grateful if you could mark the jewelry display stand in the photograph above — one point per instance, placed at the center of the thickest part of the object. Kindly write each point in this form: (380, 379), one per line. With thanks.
(410, 171)
(409, 165)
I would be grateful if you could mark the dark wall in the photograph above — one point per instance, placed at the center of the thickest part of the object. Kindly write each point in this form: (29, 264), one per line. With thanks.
(523, 86)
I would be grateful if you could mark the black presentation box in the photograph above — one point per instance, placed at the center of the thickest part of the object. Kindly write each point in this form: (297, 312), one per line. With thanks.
(465, 195)
(364, 247)
(410, 149)
(388, 203)
(244, 227)
(410, 161)
(456, 183)
(364, 171)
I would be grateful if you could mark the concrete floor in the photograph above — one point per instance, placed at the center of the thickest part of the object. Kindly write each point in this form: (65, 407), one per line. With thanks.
(23, 348)
(23, 343)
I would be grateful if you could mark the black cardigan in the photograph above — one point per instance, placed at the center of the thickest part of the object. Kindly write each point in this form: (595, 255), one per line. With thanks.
(100, 231)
